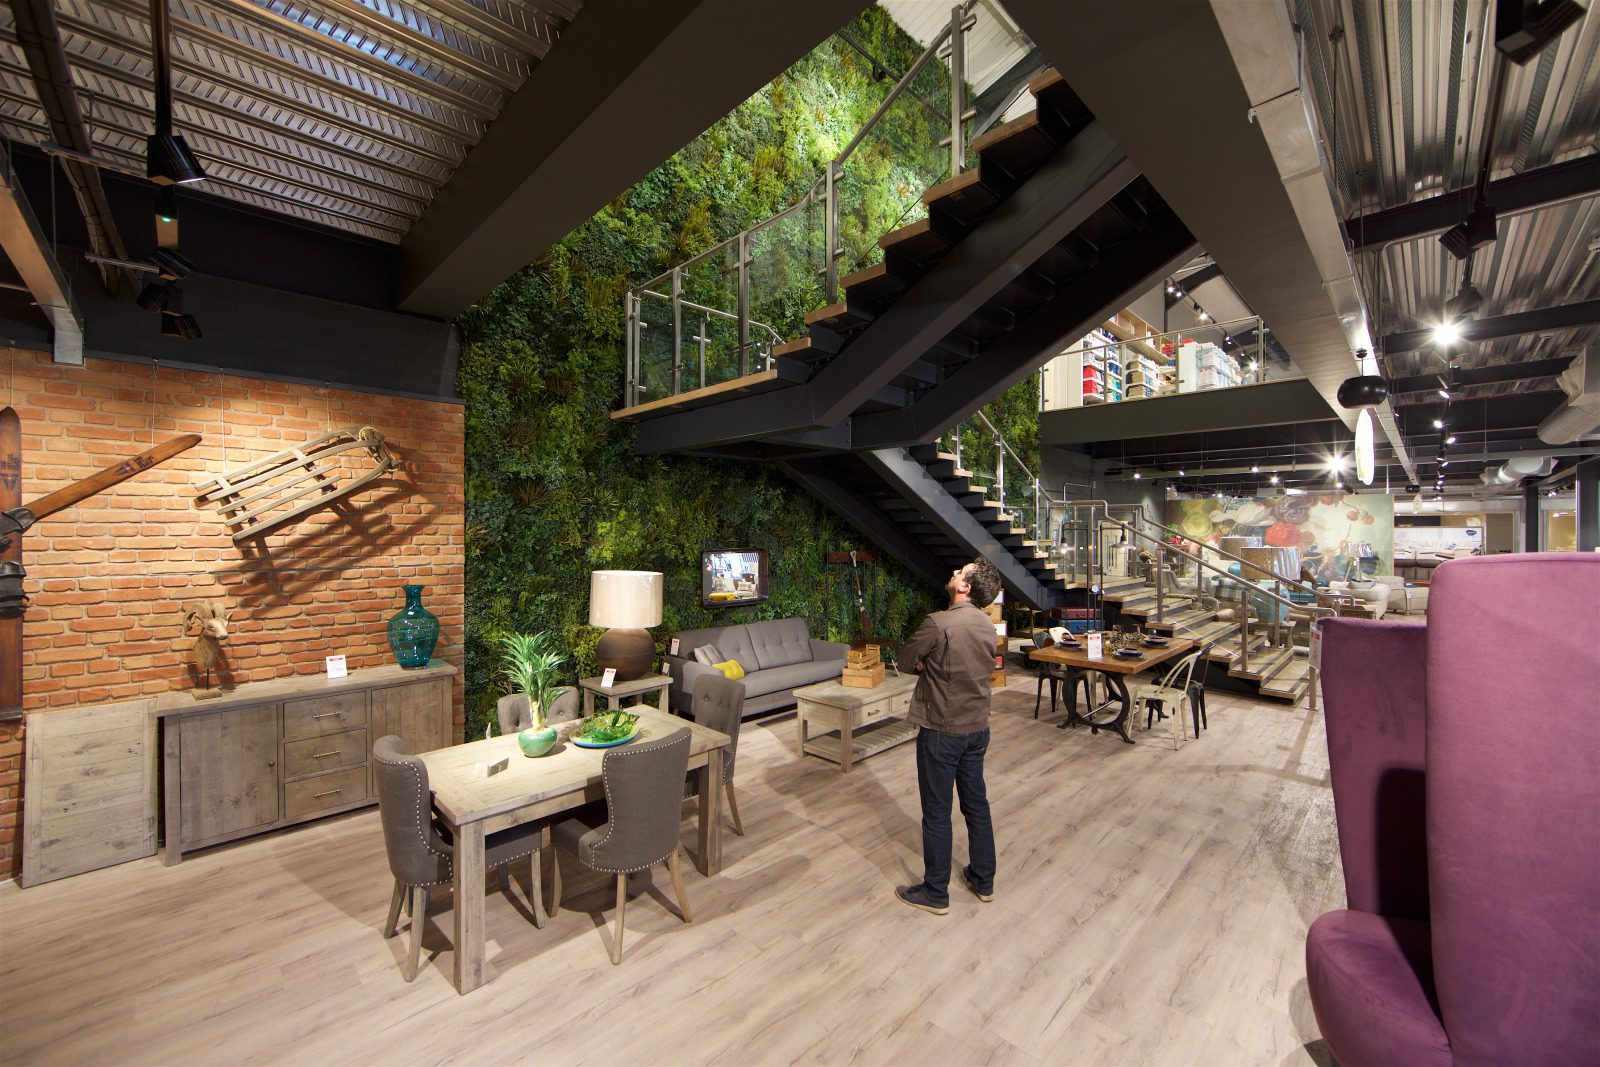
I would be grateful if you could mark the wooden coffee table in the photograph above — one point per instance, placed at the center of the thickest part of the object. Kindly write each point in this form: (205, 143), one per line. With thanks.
(859, 722)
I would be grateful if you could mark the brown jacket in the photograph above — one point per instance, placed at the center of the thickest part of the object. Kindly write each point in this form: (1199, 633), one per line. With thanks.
(956, 648)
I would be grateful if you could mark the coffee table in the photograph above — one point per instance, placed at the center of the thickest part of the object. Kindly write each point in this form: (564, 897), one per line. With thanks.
(860, 722)
(1113, 667)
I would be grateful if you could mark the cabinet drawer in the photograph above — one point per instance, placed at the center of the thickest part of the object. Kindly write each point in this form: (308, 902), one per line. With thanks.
(874, 711)
(900, 703)
(324, 792)
(332, 752)
(323, 715)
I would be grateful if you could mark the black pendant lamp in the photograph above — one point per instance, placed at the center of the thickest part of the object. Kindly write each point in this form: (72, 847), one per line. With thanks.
(168, 159)
(1363, 391)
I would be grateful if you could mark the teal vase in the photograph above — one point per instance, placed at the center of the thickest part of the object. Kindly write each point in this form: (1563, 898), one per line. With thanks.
(537, 741)
(413, 631)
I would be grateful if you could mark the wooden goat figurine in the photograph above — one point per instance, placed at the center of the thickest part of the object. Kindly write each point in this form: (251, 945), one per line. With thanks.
(210, 624)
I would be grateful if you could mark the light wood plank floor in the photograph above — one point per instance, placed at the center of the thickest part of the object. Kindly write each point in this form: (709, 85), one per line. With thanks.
(1151, 908)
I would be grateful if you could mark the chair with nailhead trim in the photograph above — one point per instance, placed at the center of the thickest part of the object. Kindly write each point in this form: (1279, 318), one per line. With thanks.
(420, 852)
(636, 828)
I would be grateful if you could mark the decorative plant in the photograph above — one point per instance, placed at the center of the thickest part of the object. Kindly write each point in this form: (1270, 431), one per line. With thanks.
(530, 665)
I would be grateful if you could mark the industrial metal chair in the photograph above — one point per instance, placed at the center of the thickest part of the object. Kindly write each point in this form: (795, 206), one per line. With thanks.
(422, 855)
(1172, 692)
(637, 826)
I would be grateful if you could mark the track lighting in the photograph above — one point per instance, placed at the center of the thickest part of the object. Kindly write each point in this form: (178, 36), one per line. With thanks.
(1438, 424)
(1255, 468)
(1471, 234)
(1273, 479)
(168, 160)
(1450, 440)
(1445, 393)
(154, 296)
(181, 326)
(172, 265)
(1137, 476)
(1464, 303)
(1446, 333)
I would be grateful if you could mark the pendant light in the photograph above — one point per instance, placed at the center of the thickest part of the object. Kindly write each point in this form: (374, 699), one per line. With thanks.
(168, 158)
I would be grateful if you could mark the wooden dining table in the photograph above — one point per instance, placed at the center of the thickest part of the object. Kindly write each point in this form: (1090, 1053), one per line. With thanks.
(1114, 668)
(474, 799)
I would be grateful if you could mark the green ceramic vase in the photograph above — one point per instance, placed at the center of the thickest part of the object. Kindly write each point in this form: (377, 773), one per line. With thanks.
(537, 740)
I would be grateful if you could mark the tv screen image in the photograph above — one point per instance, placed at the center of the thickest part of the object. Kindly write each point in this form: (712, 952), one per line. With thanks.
(733, 576)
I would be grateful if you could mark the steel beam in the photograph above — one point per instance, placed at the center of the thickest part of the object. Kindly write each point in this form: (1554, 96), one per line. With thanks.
(888, 535)
(1529, 191)
(1128, 268)
(913, 482)
(29, 251)
(1500, 372)
(1540, 320)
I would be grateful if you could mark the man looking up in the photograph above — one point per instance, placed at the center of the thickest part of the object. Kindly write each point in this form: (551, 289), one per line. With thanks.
(953, 651)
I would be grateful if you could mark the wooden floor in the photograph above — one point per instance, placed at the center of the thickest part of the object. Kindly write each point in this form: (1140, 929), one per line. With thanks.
(1151, 907)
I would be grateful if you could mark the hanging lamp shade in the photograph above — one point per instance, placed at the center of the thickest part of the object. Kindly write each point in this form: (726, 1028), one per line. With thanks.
(1363, 391)
(1364, 454)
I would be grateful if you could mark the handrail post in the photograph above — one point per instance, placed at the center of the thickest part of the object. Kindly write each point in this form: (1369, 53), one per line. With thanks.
(999, 465)
(958, 446)
(705, 328)
(1244, 627)
(744, 303)
(958, 74)
(630, 373)
(677, 330)
(1161, 585)
(830, 264)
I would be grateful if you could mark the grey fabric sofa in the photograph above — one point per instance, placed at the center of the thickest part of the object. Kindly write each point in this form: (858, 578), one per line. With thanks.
(778, 656)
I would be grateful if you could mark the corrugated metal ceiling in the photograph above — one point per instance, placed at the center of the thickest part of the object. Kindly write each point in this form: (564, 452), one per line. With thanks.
(1402, 88)
(346, 113)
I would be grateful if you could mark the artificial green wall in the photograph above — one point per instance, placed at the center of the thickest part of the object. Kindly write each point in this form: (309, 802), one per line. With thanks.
(553, 488)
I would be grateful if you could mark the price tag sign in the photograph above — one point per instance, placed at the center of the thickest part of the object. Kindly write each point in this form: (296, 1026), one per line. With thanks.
(336, 667)
(1096, 643)
(672, 649)
(1316, 645)
(609, 678)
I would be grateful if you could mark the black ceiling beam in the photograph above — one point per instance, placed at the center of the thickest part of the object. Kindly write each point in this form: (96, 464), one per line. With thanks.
(1127, 268)
(628, 85)
(1540, 320)
(1500, 372)
(819, 480)
(1544, 187)
(1075, 182)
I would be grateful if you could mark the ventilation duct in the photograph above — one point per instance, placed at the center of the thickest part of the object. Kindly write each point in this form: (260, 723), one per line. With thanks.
(1580, 415)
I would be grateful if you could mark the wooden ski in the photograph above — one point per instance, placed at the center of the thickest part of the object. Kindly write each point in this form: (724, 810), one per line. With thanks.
(10, 564)
(14, 519)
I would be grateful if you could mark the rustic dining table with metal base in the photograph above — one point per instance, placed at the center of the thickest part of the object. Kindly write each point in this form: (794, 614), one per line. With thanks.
(486, 786)
(1113, 669)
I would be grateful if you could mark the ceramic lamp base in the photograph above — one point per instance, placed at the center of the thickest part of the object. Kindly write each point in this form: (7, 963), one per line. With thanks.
(631, 652)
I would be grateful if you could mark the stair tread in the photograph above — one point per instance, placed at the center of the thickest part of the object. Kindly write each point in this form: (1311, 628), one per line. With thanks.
(968, 181)
(1043, 80)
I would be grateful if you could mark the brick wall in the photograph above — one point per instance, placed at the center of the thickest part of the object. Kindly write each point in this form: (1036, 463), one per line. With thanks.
(110, 576)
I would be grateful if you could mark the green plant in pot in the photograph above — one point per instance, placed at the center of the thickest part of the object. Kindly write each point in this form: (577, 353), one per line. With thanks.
(530, 665)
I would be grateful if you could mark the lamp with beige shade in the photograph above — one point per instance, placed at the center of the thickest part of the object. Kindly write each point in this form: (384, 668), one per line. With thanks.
(628, 603)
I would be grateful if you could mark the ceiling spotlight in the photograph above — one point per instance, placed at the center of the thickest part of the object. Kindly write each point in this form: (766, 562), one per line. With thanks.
(154, 296)
(1255, 468)
(1179, 293)
(1438, 424)
(1466, 237)
(1204, 317)
(1181, 472)
(1443, 462)
(1450, 440)
(1137, 476)
(1446, 333)
(1551, 493)
(1413, 488)
(1464, 303)
(172, 265)
(1171, 289)
(182, 326)
(1273, 479)
(1336, 463)
(1445, 393)
(170, 161)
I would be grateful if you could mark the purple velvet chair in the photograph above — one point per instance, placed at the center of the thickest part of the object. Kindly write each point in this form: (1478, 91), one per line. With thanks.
(1465, 756)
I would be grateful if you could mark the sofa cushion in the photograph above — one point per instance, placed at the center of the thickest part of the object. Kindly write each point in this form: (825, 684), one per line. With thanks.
(780, 642)
(1371, 983)
(709, 655)
(730, 669)
(760, 683)
(734, 643)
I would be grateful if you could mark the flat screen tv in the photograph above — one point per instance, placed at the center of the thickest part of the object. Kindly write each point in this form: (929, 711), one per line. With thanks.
(733, 576)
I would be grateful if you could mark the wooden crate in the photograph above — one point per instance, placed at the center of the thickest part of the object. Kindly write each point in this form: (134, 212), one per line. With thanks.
(863, 658)
(997, 680)
(863, 677)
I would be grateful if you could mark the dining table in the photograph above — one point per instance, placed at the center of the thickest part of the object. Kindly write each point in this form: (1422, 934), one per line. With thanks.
(1114, 669)
(486, 786)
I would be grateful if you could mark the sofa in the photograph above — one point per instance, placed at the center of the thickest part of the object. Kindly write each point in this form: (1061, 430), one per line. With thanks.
(778, 656)
(1404, 598)
(1367, 595)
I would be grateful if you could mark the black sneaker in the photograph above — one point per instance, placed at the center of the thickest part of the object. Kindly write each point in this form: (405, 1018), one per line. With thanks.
(918, 897)
(966, 880)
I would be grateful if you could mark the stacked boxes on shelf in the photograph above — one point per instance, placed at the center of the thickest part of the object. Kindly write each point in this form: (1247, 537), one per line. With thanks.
(1143, 375)
(1202, 365)
(1102, 368)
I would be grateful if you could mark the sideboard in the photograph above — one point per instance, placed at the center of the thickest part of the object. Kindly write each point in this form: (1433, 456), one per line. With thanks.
(270, 754)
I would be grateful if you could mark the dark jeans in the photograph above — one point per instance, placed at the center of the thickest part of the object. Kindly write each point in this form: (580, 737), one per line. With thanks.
(944, 760)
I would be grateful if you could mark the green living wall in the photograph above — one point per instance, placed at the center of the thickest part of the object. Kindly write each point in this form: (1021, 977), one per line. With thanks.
(553, 487)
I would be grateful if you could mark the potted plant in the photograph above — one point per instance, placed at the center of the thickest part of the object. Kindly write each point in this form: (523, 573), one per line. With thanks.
(530, 665)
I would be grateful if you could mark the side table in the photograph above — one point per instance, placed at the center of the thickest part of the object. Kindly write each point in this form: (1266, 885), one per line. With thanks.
(867, 721)
(619, 691)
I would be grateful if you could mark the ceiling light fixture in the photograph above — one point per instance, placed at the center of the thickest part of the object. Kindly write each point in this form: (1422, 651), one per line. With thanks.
(1273, 479)
(1450, 440)
(171, 265)
(154, 296)
(1446, 334)
(1137, 476)
(168, 159)
(182, 326)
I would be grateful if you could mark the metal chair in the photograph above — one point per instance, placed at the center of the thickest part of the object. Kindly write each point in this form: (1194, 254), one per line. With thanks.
(1171, 693)
(1047, 672)
(514, 713)
(719, 704)
(422, 855)
(637, 826)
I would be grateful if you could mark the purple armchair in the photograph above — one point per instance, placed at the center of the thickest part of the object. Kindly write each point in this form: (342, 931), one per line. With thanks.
(1465, 757)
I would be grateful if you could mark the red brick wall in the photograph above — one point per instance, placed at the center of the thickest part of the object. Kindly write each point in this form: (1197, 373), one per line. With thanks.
(110, 576)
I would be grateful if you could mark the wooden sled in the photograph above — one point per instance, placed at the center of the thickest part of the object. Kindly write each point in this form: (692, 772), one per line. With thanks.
(261, 496)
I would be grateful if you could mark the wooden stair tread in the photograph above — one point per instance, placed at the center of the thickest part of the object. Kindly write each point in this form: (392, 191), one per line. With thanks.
(920, 228)
(795, 347)
(1043, 80)
(1017, 127)
(968, 185)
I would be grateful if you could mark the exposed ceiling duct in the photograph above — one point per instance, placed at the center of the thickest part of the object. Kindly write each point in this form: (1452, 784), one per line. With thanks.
(1580, 415)
(25, 245)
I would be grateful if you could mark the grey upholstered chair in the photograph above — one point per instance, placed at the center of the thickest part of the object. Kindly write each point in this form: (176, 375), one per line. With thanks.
(512, 710)
(637, 827)
(719, 704)
(420, 855)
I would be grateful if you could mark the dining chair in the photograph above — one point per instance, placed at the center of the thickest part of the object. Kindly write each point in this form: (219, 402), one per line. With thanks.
(637, 826)
(1172, 692)
(718, 703)
(421, 853)
(1047, 673)
(513, 712)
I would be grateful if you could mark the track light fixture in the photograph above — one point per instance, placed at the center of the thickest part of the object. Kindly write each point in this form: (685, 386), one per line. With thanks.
(1522, 28)
(172, 265)
(181, 326)
(154, 296)
(1471, 234)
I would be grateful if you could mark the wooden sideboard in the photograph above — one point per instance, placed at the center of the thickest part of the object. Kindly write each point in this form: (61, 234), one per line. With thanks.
(271, 754)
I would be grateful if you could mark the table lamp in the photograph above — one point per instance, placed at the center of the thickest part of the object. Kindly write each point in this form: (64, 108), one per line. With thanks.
(1358, 553)
(627, 603)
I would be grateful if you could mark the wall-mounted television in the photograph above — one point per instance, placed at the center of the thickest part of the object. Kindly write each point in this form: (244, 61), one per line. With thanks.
(730, 577)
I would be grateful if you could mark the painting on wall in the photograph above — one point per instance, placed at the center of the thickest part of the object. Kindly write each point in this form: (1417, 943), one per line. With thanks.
(1338, 534)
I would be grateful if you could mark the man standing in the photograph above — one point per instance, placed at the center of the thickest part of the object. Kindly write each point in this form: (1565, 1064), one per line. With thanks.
(953, 650)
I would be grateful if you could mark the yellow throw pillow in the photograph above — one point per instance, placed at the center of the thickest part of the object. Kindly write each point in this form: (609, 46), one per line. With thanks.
(730, 669)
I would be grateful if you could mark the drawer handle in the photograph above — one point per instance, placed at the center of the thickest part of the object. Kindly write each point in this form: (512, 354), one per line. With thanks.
(329, 793)
(328, 715)
(323, 755)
